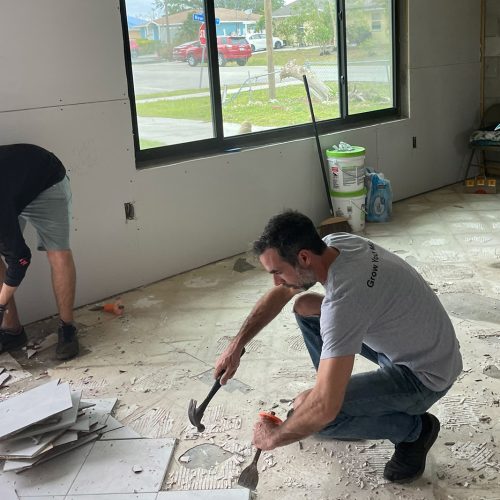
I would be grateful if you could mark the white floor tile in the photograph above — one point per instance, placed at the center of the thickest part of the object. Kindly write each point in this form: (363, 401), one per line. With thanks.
(117, 458)
(117, 496)
(51, 478)
(8, 493)
(235, 494)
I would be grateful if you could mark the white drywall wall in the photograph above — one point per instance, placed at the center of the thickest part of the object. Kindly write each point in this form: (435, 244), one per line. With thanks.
(492, 53)
(63, 87)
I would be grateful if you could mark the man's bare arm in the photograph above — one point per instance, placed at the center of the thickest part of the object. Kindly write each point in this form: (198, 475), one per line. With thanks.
(264, 311)
(319, 407)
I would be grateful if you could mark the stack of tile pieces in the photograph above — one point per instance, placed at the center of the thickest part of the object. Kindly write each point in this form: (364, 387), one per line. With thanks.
(49, 420)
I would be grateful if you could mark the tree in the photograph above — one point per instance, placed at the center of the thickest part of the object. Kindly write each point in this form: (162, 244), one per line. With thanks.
(316, 20)
(318, 29)
(288, 29)
(256, 6)
(357, 28)
(188, 31)
(175, 6)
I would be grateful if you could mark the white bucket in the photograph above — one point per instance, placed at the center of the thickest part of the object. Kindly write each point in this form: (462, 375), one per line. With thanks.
(352, 206)
(346, 169)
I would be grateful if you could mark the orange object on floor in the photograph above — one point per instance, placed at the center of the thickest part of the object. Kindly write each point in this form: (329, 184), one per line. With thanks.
(114, 307)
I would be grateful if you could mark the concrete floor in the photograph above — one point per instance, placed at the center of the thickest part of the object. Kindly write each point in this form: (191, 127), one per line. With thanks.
(160, 354)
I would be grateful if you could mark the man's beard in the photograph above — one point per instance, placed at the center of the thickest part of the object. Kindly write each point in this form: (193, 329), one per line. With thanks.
(305, 278)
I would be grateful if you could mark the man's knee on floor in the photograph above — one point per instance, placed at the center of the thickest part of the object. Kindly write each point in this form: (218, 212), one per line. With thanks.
(308, 304)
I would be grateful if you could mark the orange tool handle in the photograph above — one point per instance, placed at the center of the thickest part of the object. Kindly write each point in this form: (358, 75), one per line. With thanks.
(270, 416)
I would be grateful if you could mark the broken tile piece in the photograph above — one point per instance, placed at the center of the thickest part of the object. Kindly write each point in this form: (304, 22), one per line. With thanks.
(100, 409)
(58, 475)
(120, 433)
(65, 419)
(33, 406)
(14, 368)
(26, 447)
(47, 342)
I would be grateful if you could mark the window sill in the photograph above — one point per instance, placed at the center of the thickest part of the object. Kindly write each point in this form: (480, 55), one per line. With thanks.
(188, 152)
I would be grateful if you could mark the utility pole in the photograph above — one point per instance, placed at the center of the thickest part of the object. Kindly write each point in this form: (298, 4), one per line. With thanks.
(165, 3)
(271, 77)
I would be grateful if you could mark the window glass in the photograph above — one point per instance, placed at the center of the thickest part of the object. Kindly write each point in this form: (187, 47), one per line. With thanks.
(262, 87)
(369, 55)
(170, 73)
(376, 21)
(259, 78)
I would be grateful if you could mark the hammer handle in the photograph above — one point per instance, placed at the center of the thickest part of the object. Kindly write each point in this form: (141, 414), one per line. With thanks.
(213, 391)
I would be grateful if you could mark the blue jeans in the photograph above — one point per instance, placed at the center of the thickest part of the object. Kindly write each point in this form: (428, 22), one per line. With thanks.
(381, 404)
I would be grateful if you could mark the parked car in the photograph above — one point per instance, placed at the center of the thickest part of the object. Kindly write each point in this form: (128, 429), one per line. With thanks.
(134, 48)
(257, 41)
(179, 53)
(230, 48)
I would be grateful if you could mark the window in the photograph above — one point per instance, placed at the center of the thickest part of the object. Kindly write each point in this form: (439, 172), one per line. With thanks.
(377, 21)
(206, 77)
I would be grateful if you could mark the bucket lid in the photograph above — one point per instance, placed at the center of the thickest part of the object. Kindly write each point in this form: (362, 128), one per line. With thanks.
(348, 194)
(355, 151)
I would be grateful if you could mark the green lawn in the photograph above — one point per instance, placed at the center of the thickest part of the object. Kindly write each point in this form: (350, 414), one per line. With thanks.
(170, 93)
(147, 143)
(290, 108)
(281, 57)
(303, 55)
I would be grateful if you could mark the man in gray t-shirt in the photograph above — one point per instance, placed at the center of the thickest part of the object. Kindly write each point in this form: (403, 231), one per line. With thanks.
(374, 297)
(376, 305)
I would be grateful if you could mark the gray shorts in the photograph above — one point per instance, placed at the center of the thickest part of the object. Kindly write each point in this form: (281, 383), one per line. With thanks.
(50, 214)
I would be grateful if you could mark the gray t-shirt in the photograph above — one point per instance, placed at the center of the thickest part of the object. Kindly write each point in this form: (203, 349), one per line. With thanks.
(374, 297)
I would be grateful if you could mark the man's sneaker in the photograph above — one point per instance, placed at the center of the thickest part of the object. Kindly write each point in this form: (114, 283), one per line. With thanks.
(10, 340)
(67, 343)
(408, 461)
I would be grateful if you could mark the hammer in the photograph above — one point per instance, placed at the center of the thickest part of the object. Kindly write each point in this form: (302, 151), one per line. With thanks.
(196, 413)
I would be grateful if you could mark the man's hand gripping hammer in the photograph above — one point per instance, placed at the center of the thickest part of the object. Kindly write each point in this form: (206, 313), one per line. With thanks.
(196, 413)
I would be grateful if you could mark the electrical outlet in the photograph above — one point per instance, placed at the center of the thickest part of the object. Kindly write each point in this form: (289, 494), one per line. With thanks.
(129, 211)
(414, 142)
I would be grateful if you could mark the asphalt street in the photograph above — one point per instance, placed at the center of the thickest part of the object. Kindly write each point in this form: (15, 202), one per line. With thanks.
(167, 76)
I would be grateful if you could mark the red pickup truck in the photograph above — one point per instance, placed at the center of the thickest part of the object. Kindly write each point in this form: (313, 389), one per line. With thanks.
(230, 48)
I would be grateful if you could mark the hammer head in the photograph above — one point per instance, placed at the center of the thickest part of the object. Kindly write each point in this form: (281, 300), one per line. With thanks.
(194, 417)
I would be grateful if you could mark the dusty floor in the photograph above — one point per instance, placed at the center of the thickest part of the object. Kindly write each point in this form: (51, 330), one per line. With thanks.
(160, 354)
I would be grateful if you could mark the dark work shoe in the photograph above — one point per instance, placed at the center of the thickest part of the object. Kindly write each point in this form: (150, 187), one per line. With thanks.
(408, 461)
(67, 343)
(9, 340)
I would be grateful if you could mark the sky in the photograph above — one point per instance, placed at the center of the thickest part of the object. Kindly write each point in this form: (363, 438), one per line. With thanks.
(139, 8)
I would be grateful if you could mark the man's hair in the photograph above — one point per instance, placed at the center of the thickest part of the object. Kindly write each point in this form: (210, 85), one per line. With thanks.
(288, 233)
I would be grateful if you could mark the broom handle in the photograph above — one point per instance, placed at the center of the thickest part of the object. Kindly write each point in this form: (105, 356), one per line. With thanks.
(318, 145)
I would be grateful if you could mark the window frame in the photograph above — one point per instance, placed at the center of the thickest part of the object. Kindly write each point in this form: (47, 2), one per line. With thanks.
(219, 144)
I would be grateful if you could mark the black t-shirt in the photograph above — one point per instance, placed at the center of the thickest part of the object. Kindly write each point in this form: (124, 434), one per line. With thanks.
(25, 171)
